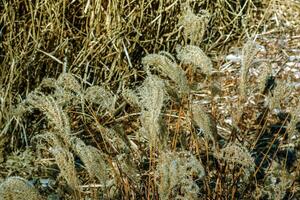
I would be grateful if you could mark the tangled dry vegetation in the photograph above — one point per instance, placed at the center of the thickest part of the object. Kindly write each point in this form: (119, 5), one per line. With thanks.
(149, 99)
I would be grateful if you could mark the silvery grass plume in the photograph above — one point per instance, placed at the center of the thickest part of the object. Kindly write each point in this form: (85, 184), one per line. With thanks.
(17, 188)
(168, 68)
(63, 158)
(280, 94)
(49, 84)
(292, 125)
(93, 159)
(152, 96)
(115, 137)
(236, 154)
(176, 172)
(65, 161)
(278, 182)
(54, 113)
(249, 51)
(204, 122)
(266, 72)
(69, 89)
(194, 25)
(67, 81)
(100, 96)
(131, 97)
(22, 161)
(193, 55)
(66, 89)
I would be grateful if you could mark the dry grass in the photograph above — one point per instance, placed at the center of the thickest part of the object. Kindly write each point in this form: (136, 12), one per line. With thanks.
(136, 99)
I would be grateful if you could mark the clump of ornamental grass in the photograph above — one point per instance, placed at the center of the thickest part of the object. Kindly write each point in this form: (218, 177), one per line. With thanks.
(152, 96)
(176, 174)
(167, 68)
(17, 188)
(45, 38)
(193, 55)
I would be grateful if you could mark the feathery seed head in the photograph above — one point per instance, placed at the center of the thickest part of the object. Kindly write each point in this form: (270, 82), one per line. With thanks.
(93, 160)
(100, 96)
(203, 121)
(65, 161)
(168, 68)
(152, 96)
(193, 55)
(249, 51)
(69, 82)
(178, 170)
(17, 188)
(194, 25)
